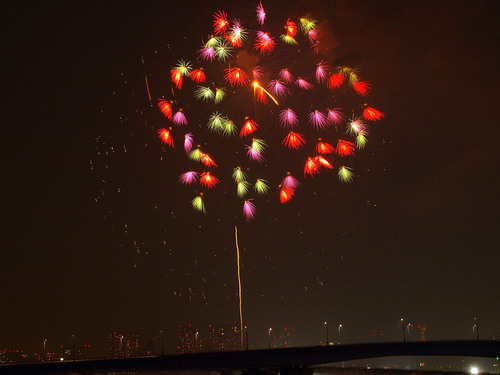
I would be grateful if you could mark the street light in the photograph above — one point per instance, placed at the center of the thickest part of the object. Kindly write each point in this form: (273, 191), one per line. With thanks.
(475, 327)
(246, 336)
(403, 327)
(326, 328)
(44, 349)
(162, 352)
(73, 336)
(196, 336)
(270, 330)
(340, 327)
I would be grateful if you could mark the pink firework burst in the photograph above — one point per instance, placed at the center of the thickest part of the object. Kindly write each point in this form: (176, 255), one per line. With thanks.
(278, 88)
(188, 142)
(356, 126)
(290, 182)
(179, 118)
(261, 14)
(254, 154)
(257, 73)
(288, 118)
(248, 210)
(318, 119)
(286, 76)
(335, 116)
(313, 39)
(321, 71)
(313, 36)
(207, 53)
(235, 35)
(303, 84)
(188, 178)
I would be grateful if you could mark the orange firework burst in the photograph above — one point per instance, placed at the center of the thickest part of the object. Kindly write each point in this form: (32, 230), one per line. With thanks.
(248, 128)
(324, 148)
(311, 166)
(236, 76)
(166, 136)
(260, 94)
(207, 160)
(372, 114)
(208, 180)
(286, 194)
(294, 140)
(345, 148)
(197, 75)
(220, 22)
(264, 43)
(361, 88)
(165, 108)
(176, 78)
(323, 162)
(336, 80)
(291, 28)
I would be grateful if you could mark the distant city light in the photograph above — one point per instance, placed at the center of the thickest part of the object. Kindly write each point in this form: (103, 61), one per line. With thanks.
(474, 370)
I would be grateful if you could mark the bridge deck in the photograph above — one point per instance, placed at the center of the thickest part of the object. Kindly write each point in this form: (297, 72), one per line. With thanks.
(298, 358)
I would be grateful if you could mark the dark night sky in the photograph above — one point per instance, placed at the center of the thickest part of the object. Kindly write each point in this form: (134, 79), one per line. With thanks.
(416, 236)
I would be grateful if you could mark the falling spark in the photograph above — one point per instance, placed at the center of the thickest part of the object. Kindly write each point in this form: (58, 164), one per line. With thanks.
(256, 85)
(147, 86)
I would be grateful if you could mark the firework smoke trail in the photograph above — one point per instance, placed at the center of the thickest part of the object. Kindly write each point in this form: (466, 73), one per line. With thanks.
(239, 284)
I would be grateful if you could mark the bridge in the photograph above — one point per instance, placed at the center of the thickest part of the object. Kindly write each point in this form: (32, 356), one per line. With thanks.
(288, 361)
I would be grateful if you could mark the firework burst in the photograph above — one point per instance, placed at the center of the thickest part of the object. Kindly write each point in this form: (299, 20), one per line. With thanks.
(233, 99)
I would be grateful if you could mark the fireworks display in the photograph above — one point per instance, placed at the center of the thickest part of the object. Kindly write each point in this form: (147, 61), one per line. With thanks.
(262, 105)
(342, 139)
(251, 124)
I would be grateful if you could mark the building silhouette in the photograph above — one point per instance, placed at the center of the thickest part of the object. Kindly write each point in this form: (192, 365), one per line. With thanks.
(283, 339)
(188, 339)
(69, 352)
(123, 344)
(13, 356)
(224, 337)
(417, 332)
